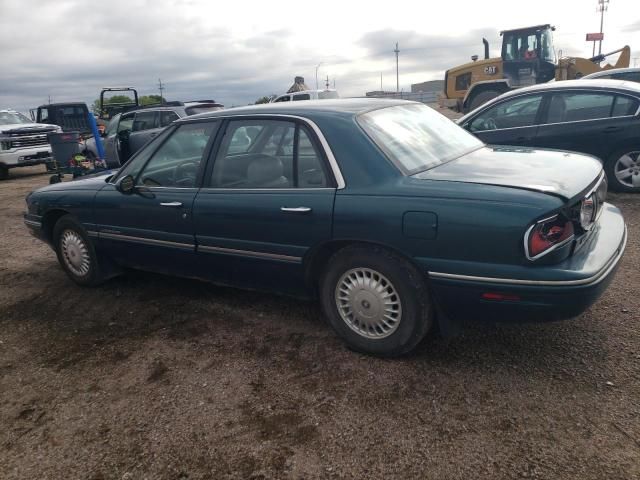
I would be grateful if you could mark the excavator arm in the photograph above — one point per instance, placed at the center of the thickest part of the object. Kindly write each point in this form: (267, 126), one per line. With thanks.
(570, 68)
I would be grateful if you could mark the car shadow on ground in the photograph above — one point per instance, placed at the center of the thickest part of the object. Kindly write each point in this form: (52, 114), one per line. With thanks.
(77, 323)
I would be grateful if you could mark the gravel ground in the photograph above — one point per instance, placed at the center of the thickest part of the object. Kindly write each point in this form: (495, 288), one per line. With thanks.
(157, 377)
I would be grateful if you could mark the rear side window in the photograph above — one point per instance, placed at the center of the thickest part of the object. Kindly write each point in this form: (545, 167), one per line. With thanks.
(278, 154)
(286, 98)
(624, 106)
(304, 96)
(573, 107)
(145, 121)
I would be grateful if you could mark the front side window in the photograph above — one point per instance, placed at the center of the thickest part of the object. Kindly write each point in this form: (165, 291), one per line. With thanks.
(112, 126)
(145, 121)
(302, 96)
(577, 106)
(280, 154)
(286, 98)
(177, 161)
(126, 122)
(517, 112)
(416, 137)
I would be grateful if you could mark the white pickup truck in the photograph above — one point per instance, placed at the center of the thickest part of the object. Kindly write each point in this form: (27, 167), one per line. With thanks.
(22, 142)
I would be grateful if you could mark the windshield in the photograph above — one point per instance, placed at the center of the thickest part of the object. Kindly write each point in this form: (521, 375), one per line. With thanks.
(416, 137)
(328, 94)
(11, 118)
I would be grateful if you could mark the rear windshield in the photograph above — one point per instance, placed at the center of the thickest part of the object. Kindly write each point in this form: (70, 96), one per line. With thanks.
(203, 109)
(416, 137)
(328, 95)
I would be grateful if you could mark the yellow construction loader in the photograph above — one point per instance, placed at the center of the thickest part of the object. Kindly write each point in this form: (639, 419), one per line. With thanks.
(527, 58)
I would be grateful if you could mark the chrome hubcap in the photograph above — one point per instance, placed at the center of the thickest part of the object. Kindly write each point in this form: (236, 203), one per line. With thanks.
(627, 169)
(75, 253)
(368, 303)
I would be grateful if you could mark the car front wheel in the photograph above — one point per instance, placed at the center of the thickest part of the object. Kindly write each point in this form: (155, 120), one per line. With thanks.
(76, 253)
(623, 170)
(376, 301)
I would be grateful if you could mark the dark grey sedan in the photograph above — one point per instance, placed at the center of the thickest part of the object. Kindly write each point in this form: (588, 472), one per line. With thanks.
(128, 132)
(598, 117)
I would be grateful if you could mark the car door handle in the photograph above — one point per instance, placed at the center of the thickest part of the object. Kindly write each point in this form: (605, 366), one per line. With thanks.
(612, 129)
(153, 134)
(295, 209)
(522, 139)
(171, 204)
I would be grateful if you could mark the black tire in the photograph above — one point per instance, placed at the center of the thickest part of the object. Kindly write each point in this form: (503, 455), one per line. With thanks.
(67, 225)
(611, 165)
(4, 172)
(406, 282)
(482, 98)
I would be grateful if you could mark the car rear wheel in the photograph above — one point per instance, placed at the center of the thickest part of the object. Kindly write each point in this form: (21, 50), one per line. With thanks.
(376, 301)
(623, 170)
(76, 253)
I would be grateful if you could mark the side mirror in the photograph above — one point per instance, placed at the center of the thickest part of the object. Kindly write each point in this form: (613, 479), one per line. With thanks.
(126, 184)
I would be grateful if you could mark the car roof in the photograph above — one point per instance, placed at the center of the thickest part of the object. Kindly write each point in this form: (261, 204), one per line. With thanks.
(308, 108)
(603, 84)
(611, 71)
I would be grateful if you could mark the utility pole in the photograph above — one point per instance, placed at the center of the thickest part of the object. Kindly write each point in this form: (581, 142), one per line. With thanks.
(327, 82)
(603, 5)
(161, 88)
(397, 71)
(381, 82)
(317, 67)
(49, 99)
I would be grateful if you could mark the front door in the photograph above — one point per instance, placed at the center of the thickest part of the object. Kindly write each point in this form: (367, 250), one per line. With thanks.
(268, 199)
(152, 228)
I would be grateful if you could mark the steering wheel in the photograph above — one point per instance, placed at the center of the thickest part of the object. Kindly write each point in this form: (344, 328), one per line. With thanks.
(490, 124)
(184, 174)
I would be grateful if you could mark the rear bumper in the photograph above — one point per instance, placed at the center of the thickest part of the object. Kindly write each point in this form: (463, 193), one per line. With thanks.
(549, 293)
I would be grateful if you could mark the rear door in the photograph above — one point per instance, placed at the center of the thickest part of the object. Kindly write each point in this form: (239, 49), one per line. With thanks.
(592, 122)
(511, 122)
(268, 199)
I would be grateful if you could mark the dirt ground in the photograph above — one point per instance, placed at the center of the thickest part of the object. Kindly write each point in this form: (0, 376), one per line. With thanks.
(150, 377)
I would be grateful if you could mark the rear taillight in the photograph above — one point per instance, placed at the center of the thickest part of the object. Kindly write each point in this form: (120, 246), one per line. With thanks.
(547, 235)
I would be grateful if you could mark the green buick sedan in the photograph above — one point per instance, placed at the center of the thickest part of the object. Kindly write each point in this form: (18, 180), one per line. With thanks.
(390, 215)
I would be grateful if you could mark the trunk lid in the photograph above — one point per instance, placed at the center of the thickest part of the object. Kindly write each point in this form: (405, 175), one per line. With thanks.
(560, 173)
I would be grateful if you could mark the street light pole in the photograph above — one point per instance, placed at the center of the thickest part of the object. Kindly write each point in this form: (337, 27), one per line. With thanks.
(397, 74)
(602, 6)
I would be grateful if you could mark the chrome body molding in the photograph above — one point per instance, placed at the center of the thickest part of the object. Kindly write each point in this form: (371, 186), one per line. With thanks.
(249, 253)
(146, 241)
(595, 278)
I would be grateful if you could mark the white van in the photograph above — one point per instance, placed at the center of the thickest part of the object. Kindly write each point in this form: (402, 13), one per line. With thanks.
(307, 95)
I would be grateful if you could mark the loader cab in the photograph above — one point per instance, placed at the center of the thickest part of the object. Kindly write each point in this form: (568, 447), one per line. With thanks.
(528, 55)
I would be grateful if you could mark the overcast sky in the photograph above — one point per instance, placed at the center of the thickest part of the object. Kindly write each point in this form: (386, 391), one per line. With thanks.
(238, 51)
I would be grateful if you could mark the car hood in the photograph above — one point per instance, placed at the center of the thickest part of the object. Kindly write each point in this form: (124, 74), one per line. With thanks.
(27, 128)
(556, 172)
(89, 182)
